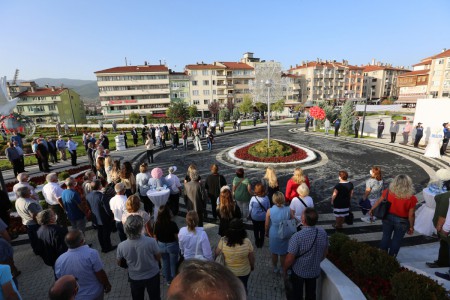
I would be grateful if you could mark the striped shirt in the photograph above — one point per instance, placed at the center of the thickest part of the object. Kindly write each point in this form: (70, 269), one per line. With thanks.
(236, 257)
(308, 265)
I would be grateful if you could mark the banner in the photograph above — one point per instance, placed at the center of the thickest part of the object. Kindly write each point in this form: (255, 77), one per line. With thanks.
(372, 108)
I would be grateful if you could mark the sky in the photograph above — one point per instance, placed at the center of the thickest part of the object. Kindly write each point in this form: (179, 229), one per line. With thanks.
(73, 39)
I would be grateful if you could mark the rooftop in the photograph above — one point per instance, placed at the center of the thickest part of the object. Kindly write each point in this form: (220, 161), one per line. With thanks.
(42, 92)
(237, 66)
(135, 69)
(412, 73)
(203, 67)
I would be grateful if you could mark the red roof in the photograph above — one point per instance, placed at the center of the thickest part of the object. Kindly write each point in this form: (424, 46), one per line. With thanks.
(370, 68)
(355, 67)
(237, 66)
(320, 64)
(424, 62)
(203, 67)
(442, 54)
(135, 69)
(419, 72)
(291, 75)
(42, 92)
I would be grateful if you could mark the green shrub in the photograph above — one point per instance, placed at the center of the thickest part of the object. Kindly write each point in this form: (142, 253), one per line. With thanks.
(276, 149)
(349, 247)
(369, 262)
(336, 241)
(412, 286)
(43, 203)
(40, 195)
(63, 175)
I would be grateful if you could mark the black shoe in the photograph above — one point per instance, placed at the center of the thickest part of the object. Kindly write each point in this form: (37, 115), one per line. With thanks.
(445, 276)
(110, 249)
(433, 265)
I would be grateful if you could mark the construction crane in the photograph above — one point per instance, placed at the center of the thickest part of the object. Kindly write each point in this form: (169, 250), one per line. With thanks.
(16, 76)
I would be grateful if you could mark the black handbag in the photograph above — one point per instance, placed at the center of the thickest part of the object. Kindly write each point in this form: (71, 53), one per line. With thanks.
(382, 209)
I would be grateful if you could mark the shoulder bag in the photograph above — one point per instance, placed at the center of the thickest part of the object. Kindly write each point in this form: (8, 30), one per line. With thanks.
(382, 209)
(287, 227)
(220, 258)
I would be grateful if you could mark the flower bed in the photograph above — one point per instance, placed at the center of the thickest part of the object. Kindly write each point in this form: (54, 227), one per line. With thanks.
(38, 180)
(296, 154)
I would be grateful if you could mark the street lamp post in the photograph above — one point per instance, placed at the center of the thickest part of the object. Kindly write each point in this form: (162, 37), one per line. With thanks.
(268, 84)
(364, 113)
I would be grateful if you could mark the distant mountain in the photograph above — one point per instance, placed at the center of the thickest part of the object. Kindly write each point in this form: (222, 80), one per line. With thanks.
(87, 89)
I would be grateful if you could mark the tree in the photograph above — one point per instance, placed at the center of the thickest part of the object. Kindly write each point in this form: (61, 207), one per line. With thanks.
(230, 105)
(246, 106)
(278, 106)
(236, 114)
(347, 117)
(134, 118)
(214, 108)
(177, 110)
(192, 111)
(224, 114)
(261, 106)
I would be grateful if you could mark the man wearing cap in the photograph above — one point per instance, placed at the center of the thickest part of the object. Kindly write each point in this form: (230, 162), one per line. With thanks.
(117, 205)
(173, 182)
(419, 134)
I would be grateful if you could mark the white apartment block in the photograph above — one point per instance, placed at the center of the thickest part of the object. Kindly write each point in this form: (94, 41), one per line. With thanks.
(380, 80)
(140, 89)
(439, 75)
(218, 82)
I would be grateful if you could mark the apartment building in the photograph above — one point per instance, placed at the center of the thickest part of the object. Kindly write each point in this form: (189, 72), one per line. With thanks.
(141, 89)
(321, 80)
(179, 87)
(439, 76)
(48, 104)
(218, 82)
(380, 80)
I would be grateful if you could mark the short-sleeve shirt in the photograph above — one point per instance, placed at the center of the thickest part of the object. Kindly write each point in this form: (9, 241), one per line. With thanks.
(24, 184)
(400, 207)
(52, 191)
(375, 186)
(173, 182)
(342, 199)
(308, 264)
(140, 256)
(26, 208)
(258, 210)
(71, 199)
(82, 262)
(5, 277)
(241, 193)
(298, 207)
(236, 257)
(117, 205)
(166, 234)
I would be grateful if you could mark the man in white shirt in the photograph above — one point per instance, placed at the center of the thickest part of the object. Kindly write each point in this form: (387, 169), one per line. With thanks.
(61, 146)
(72, 147)
(118, 206)
(23, 182)
(52, 194)
(173, 182)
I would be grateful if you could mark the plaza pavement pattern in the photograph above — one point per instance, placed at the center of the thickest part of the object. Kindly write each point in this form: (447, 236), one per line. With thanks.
(342, 153)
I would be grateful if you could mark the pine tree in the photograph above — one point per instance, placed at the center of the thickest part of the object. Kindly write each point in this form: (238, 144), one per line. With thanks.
(347, 117)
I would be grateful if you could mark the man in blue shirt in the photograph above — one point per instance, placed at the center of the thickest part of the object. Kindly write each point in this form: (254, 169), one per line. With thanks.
(85, 264)
(72, 204)
(18, 138)
(307, 248)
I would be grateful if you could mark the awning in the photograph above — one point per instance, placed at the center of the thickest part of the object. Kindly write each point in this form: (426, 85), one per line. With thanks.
(373, 108)
(407, 100)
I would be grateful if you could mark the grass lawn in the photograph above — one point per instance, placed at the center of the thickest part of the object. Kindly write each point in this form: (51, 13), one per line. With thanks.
(31, 160)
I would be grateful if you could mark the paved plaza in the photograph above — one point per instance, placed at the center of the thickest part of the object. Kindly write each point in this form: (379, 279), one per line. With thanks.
(335, 154)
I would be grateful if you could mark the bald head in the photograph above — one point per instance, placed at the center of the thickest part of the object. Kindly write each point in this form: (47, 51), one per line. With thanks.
(74, 239)
(65, 288)
(205, 280)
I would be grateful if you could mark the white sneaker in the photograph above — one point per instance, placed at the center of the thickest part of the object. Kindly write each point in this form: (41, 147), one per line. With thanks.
(367, 220)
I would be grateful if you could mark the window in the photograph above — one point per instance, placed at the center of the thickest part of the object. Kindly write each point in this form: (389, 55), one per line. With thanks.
(213, 72)
(30, 108)
(51, 107)
(206, 92)
(20, 108)
(194, 82)
(205, 72)
(205, 82)
(205, 102)
(213, 82)
(441, 61)
(196, 102)
(214, 92)
(195, 92)
(194, 72)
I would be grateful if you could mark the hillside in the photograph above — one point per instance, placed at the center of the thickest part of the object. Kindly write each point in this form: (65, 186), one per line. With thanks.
(87, 89)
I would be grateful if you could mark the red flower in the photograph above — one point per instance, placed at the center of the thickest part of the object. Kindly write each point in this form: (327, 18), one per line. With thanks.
(296, 155)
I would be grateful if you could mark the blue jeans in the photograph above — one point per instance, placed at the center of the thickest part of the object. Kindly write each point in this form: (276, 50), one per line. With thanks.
(399, 226)
(169, 253)
(208, 141)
